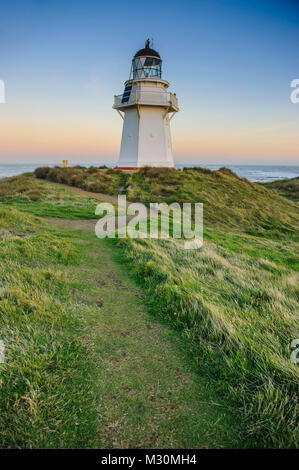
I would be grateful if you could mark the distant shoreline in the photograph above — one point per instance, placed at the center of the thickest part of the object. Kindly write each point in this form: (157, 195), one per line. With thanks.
(254, 173)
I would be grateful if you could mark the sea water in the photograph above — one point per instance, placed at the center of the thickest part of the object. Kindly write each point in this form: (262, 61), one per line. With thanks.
(259, 173)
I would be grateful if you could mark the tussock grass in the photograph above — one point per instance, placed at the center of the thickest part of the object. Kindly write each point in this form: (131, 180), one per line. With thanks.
(239, 315)
(288, 188)
(98, 180)
(230, 202)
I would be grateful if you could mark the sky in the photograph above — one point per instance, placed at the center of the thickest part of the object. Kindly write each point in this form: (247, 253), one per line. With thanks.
(230, 63)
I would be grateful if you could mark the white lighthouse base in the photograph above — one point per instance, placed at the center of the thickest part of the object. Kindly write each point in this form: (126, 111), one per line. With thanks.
(146, 139)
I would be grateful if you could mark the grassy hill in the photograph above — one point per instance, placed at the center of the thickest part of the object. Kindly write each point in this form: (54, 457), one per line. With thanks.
(236, 299)
(46, 382)
(40, 198)
(229, 201)
(234, 302)
(288, 188)
(86, 365)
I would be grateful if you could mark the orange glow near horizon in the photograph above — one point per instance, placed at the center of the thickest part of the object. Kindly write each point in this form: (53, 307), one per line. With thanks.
(84, 132)
(86, 139)
(90, 139)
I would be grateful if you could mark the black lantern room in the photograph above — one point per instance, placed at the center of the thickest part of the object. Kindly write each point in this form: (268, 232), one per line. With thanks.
(146, 63)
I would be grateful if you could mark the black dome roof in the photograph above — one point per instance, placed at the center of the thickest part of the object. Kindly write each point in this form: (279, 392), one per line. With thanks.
(147, 51)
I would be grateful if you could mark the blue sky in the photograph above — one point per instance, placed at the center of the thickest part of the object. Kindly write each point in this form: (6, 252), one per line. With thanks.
(230, 63)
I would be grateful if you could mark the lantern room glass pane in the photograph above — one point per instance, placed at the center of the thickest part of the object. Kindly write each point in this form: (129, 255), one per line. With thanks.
(147, 67)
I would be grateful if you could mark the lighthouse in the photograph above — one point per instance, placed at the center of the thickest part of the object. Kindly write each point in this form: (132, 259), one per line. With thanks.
(146, 108)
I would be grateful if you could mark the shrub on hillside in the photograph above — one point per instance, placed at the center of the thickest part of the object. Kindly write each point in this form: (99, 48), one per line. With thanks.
(111, 171)
(226, 171)
(76, 178)
(92, 169)
(102, 176)
(58, 175)
(198, 169)
(97, 187)
(161, 175)
(42, 172)
(34, 195)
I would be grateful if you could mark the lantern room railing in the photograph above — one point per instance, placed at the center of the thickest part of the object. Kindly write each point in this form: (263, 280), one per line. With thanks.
(150, 98)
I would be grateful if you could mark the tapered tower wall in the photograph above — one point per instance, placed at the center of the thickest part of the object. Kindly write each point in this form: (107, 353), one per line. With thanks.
(154, 147)
(129, 140)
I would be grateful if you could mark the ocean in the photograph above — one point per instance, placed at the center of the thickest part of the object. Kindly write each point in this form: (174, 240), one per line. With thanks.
(258, 173)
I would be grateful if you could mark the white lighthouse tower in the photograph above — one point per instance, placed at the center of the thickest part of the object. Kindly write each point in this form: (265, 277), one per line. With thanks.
(145, 107)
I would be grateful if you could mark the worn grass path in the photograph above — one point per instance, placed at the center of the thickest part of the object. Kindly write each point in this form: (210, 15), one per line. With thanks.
(81, 192)
(148, 394)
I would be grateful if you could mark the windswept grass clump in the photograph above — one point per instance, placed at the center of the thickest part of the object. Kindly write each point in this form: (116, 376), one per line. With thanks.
(288, 188)
(97, 180)
(238, 314)
(229, 202)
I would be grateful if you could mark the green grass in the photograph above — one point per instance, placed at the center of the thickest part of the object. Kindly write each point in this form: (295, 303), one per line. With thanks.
(288, 188)
(236, 299)
(40, 198)
(283, 253)
(234, 304)
(239, 314)
(230, 202)
(86, 365)
(46, 383)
